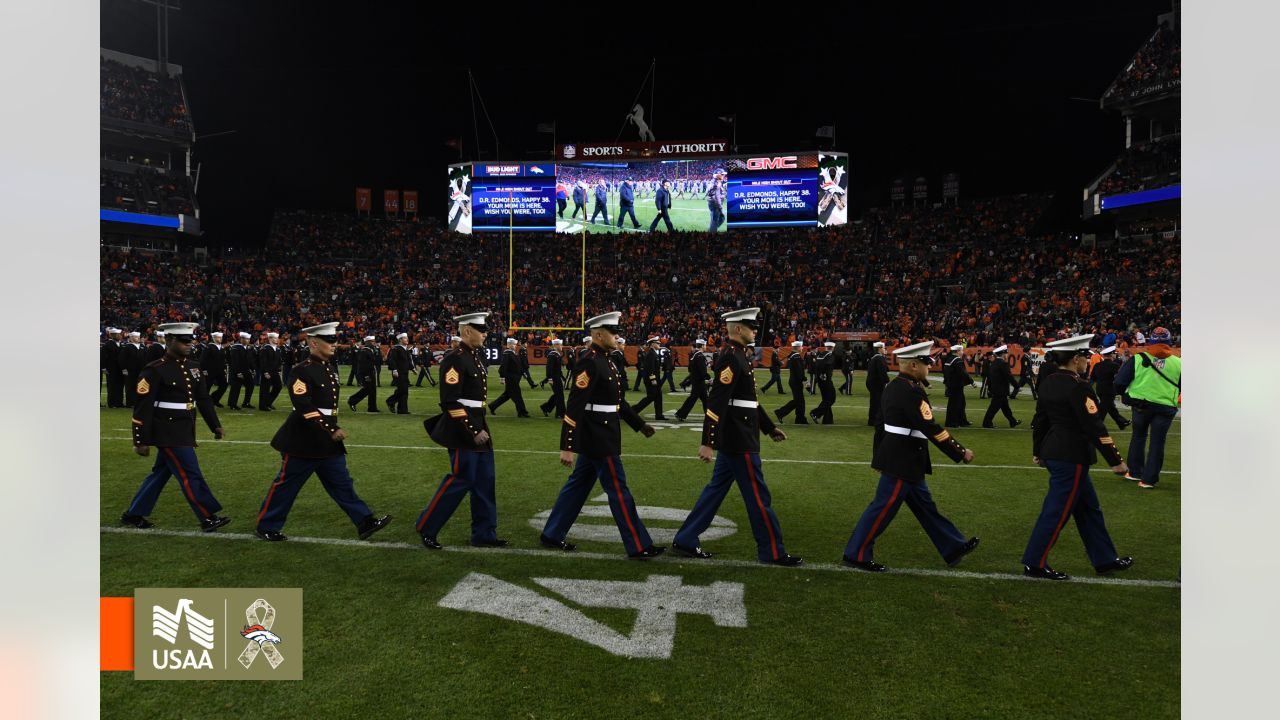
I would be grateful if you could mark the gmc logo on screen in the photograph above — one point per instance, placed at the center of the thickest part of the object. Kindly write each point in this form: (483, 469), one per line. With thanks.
(777, 163)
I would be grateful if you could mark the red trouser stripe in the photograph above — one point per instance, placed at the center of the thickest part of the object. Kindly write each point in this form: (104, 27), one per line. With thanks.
(283, 466)
(617, 491)
(764, 516)
(186, 483)
(1066, 513)
(445, 486)
(875, 526)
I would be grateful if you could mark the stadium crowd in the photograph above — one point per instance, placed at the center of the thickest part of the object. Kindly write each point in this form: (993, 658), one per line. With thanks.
(979, 272)
(1154, 164)
(146, 190)
(139, 95)
(1158, 61)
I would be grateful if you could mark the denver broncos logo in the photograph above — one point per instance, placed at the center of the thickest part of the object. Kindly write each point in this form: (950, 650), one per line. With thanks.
(926, 411)
(582, 380)
(144, 387)
(260, 635)
(299, 387)
(726, 376)
(452, 376)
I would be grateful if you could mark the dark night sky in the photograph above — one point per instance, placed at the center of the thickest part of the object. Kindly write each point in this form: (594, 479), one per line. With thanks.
(324, 101)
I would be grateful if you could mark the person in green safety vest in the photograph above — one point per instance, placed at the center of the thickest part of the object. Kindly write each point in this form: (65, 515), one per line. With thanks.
(1151, 382)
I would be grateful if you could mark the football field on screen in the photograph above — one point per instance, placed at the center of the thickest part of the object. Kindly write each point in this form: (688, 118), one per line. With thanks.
(686, 214)
(395, 630)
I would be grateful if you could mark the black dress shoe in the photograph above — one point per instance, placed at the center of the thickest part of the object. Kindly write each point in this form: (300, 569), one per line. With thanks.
(786, 561)
(1015, 423)
(802, 421)
(217, 405)
(867, 565)
(695, 552)
(1044, 573)
(135, 521)
(352, 406)
(372, 525)
(556, 544)
(544, 411)
(430, 543)
(213, 522)
(682, 418)
(954, 558)
(989, 427)
(270, 535)
(1116, 565)
(662, 418)
(496, 542)
(1125, 425)
(652, 551)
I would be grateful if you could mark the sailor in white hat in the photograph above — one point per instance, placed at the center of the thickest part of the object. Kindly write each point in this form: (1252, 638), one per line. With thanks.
(400, 363)
(618, 356)
(367, 361)
(213, 366)
(1069, 434)
(903, 461)
(955, 378)
(110, 363)
(999, 381)
(555, 376)
(697, 380)
(877, 378)
(155, 350)
(1103, 378)
(591, 443)
(169, 392)
(464, 431)
(824, 367)
(651, 374)
(731, 435)
(795, 382)
(132, 360)
(510, 372)
(270, 365)
(310, 441)
(240, 359)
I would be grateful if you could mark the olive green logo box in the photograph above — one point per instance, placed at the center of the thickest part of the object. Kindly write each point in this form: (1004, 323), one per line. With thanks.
(217, 634)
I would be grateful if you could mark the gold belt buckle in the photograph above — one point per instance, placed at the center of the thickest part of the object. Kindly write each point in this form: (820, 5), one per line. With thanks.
(191, 406)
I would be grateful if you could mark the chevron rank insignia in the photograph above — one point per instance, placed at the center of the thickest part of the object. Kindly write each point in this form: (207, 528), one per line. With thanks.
(582, 380)
(144, 387)
(926, 411)
(452, 376)
(299, 387)
(726, 376)
(1090, 406)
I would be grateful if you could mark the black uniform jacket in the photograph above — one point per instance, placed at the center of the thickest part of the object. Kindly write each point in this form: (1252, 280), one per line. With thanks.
(213, 361)
(795, 367)
(1068, 423)
(954, 375)
(510, 368)
(905, 405)
(877, 373)
(172, 382)
(728, 427)
(554, 365)
(999, 377)
(308, 430)
(591, 431)
(463, 377)
(698, 368)
(400, 360)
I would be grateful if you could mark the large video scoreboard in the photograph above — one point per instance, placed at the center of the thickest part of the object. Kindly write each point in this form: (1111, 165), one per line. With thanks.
(606, 193)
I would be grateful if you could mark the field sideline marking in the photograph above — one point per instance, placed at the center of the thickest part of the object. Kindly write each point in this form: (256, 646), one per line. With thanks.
(638, 455)
(342, 542)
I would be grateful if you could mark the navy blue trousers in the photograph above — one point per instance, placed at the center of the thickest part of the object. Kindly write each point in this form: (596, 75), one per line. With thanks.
(743, 468)
(470, 471)
(608, 470)
(1155, 421)
(624, 211)
(180, 462)
(294, 473)
(1070, 494)
(890, 494)
(717, 218)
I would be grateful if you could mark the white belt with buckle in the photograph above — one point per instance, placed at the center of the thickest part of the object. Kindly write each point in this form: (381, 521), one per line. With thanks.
(325, 411)
(603, 408)
(744, 403)
(174, 406)
(471, 403)
(898, 430)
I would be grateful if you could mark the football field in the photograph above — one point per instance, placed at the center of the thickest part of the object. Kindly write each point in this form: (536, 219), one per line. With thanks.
(394, 630)
(687, 213)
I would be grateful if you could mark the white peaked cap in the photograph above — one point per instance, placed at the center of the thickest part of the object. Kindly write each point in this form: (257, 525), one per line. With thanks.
(478, 318)
(919, 351)
(604, 319)
(177, 328)
(1079, 342)
(329, 328)
(1108, 350)
(740, 315)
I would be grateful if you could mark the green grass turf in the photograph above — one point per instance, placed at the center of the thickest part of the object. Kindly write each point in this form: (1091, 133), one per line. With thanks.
(686, 214)
(818, 644)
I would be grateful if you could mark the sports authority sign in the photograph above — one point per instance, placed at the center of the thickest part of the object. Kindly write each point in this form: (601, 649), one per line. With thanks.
(217, 634)
(605, 151)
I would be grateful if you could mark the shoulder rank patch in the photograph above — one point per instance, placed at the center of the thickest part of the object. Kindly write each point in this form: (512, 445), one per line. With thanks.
(144, 387)
(1090, 406)
(926, 411)
(726, 375)
(299, 387)
(582, 380)
(452, 377)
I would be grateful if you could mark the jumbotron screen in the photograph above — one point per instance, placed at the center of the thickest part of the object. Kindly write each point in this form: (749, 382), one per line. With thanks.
(628, 195)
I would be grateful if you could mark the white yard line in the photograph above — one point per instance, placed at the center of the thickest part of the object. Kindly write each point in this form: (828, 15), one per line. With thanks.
(666, 559)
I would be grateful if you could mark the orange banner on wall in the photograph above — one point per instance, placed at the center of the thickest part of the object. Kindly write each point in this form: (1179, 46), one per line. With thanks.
(364, 200)
(411, 202)
(391, 201)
